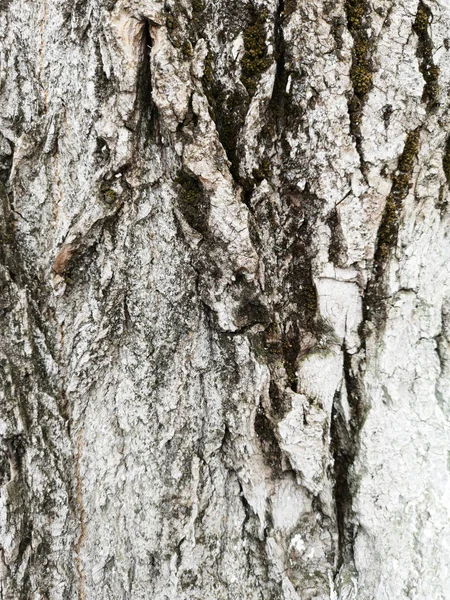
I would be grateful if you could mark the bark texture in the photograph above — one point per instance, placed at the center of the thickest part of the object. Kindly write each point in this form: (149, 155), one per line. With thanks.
(224, 311)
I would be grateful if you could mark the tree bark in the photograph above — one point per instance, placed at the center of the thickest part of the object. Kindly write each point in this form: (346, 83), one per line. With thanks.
(225, 315)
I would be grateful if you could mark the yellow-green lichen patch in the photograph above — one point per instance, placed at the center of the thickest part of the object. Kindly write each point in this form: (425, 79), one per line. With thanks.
(430, 72)
(255, 60)
(362, 80)
(108, 194)
(361, 70)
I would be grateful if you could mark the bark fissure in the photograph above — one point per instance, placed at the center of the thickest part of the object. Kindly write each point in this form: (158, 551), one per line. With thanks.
(357, 13)
(344, 445)
(388, 229)
(430, 71)
(255, 59)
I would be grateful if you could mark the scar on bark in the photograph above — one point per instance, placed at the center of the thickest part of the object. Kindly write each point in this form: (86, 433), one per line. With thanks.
(62, 260)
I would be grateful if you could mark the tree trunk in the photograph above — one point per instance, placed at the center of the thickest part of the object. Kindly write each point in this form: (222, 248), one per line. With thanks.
(225, 300)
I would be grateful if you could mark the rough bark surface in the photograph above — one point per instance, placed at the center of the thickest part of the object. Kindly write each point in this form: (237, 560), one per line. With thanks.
(225, 315)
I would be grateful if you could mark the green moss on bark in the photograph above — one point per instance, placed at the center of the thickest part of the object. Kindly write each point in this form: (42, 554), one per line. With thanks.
(430, 72)
(255, 60)
(264, 171)
(388, 230)
(228, 109)
(197, 21)
(361, 71)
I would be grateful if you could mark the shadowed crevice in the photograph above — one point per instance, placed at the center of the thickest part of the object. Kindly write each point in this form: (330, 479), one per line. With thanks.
(148, 112)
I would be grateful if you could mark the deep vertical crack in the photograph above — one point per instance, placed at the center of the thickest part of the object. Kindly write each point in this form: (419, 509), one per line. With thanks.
(146, 106)
(344, 445)
(345, 435)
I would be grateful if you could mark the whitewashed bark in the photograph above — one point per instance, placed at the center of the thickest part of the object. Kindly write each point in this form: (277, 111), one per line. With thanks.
(225, 300)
